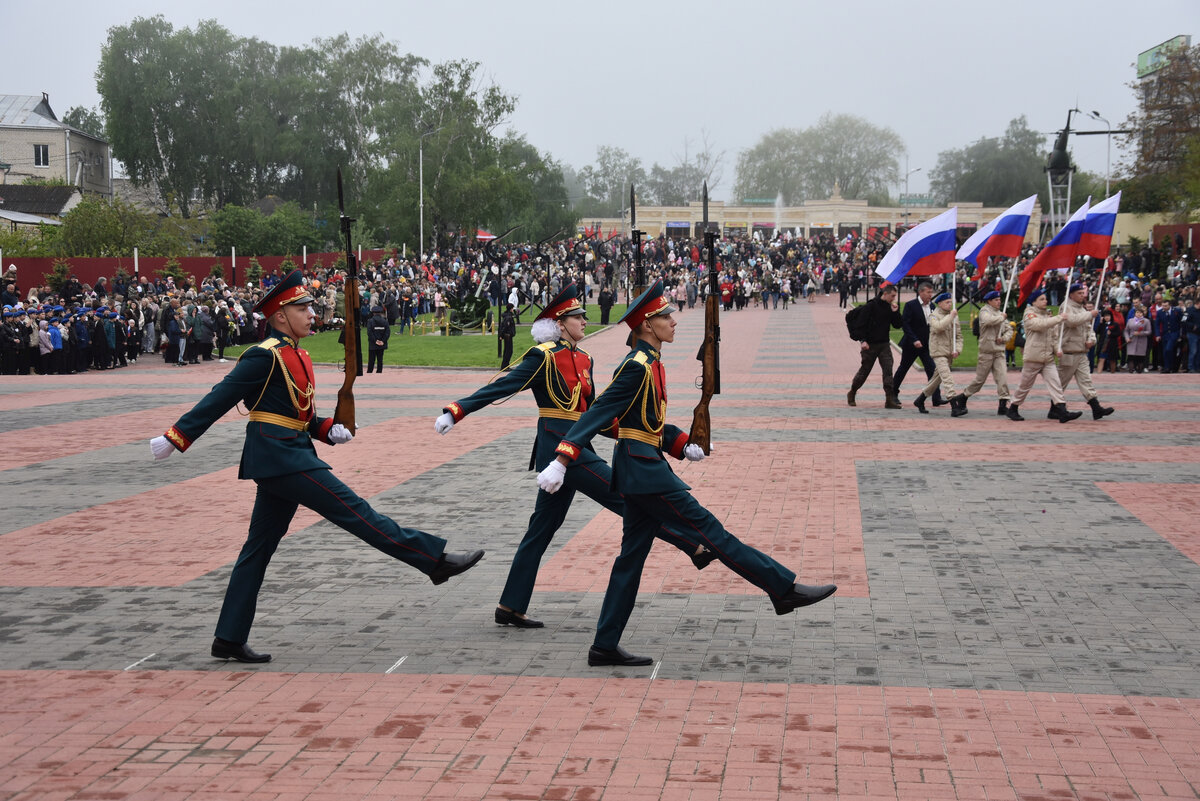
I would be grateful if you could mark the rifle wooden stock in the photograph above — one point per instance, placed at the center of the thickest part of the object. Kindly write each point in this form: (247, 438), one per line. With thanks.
(710, 375)
(344, 411)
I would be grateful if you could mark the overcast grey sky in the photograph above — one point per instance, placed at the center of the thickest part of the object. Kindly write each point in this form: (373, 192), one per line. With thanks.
(649, 77)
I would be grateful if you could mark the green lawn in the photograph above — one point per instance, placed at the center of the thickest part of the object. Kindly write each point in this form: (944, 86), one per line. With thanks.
(434, 350)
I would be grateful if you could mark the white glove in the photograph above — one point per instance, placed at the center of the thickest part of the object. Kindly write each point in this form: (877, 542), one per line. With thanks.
(339, 434)
(551, 479)
(161, 447)
(444, 423)
(694, 453)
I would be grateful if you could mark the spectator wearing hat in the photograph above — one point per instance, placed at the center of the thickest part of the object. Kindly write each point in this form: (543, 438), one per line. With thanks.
(506, 331)
(944, 348)
(378, 332)
(879, 317)
(559, 373)
(1041, 337)
(994, 335)
(1076, 340)
(655, 498)
(275, 380)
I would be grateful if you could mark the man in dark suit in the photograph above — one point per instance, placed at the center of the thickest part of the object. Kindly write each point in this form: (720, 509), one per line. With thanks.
(914, 344)
(274, 379)
(655, 498)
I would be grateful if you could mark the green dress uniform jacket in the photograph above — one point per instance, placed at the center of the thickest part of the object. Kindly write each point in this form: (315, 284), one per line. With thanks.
(560, 377)
(633, 408)
(275, 381)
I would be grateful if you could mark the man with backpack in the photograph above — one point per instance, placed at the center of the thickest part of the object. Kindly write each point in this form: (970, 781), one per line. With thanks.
(869, 325)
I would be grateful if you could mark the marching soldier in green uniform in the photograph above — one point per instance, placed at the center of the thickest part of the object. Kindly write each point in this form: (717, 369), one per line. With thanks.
(274, 379)
(559, 373)
(654, 496)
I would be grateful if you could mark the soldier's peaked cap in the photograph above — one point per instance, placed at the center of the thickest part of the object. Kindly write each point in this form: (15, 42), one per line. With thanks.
(289, 290)
(564, 304)
(650, 303)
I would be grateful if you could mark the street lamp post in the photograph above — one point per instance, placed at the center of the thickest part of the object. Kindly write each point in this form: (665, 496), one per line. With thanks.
(421, 191)
(906, 174)
(1107, 151)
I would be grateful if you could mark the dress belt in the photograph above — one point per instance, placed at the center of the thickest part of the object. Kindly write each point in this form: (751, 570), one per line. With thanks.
(559, 414)
(279, 420)
(641, 436)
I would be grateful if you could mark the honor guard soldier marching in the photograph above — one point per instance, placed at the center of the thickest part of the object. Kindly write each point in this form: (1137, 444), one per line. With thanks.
(275, 381)
(559, 373)
(633, 409)
(994, 335)
(944, 349)
(1077, 328)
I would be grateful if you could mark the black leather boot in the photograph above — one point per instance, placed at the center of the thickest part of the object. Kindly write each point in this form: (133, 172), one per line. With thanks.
(1099, 411)
(919, 402)
(1053, 413)
(1064, 416)
(1012, 412)
(1002, 408)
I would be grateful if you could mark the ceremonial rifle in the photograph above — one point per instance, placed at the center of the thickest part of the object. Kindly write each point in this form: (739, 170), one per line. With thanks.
(639, 284)
(344, 411)
(709, 355)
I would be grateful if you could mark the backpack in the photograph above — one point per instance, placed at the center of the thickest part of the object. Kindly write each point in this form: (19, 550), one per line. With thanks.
(975, 325)
(856, 323)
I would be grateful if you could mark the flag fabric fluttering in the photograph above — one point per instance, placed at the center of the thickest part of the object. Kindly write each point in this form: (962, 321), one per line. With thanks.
(1002, 237)
(1059, 254)
(925, 249)
(1098, 228)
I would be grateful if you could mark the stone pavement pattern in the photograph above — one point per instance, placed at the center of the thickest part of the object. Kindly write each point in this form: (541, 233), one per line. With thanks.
(1016, 616)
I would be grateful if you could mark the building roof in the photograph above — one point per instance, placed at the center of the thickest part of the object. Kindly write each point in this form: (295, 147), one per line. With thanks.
(31, 111)
(28, 111)
(43, 200)
(26, 219)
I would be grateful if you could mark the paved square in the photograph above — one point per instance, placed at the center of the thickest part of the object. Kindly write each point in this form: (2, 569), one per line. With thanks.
(1016, 618)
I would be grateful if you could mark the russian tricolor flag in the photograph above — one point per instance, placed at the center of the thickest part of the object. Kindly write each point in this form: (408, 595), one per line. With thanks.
(1002, 237)
(1098, 228)
(925, 249)
(1058, 255)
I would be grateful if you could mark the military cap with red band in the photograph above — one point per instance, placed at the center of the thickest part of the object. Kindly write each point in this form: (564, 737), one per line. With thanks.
(288, 291)
(564, 304)
(650, 303)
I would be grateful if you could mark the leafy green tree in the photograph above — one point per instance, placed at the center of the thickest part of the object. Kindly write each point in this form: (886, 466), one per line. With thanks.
(608, 180)
(995, 171)
(841, 150)
(238, 227)
(102, 227)
(1165, 140)
(88, 120)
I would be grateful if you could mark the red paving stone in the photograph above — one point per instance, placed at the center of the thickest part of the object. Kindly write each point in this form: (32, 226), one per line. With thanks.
(246, 735)
(104, 546)
(1172, 510)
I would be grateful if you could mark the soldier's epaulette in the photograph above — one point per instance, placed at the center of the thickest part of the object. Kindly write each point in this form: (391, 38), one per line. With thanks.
(640, 357)
(546, 346)
(268, 344)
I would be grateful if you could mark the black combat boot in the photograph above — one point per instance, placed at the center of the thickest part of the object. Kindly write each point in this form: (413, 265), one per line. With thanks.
(1002, 408)
(919, 402)
(1053, 413)
(962, 402)
(1012, 412)
(956, 406)
(1064, 416)
(1099, 411)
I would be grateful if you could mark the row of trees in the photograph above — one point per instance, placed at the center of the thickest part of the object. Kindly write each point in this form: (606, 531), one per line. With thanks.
(212, 119)
(217, 122)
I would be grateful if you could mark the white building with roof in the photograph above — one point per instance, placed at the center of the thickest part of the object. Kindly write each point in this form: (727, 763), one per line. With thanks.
(34, 143)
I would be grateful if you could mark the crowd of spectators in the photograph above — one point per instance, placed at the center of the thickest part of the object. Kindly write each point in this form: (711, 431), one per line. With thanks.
(108, 326)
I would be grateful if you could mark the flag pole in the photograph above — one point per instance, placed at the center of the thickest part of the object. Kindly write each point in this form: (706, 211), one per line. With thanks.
(1011, 280)
(1100, 285)
(954, 305)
